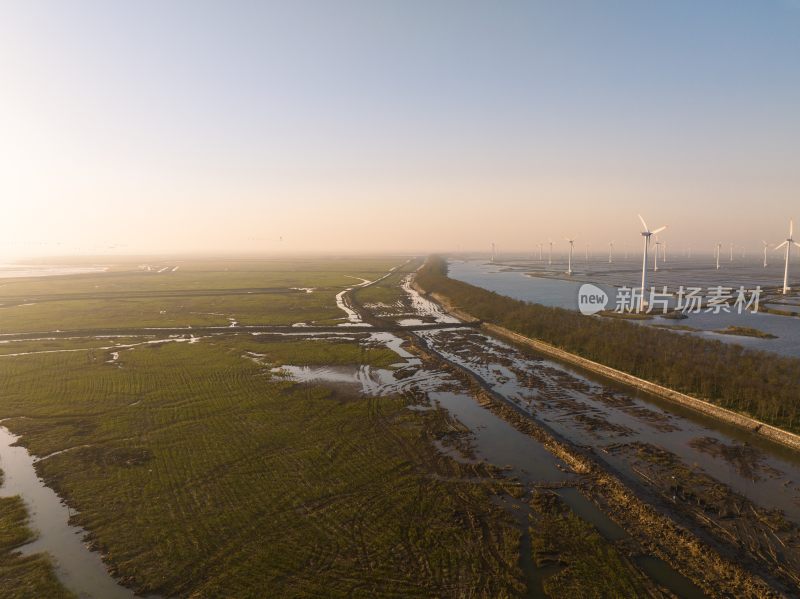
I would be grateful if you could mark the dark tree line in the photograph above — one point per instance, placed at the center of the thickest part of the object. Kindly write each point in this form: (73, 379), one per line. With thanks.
(762, 385)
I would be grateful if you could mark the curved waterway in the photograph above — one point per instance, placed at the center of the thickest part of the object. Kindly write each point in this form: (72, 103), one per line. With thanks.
(79, 569)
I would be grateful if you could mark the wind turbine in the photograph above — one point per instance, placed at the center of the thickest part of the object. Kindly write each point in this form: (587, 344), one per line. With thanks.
(569, 263)
(587, 253)
(655, 255)
(610, 252)
(550, 254)
(788, 243)
(719, 247)
(540, 252)
(731, 253)
(766, 245)
(646, 234)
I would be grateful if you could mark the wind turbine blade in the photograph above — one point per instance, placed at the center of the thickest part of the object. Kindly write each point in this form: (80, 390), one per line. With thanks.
(644, 224)
(797, 244)
(659, 229)
(764, 242)
(777, 247)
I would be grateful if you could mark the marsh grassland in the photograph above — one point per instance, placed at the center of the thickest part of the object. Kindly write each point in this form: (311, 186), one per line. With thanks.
(199, 293)
(370, 445)
(199, 471)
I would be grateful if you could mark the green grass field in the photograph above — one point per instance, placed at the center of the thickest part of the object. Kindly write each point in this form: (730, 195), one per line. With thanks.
(203, 474)
(198, 473)
(248, 291)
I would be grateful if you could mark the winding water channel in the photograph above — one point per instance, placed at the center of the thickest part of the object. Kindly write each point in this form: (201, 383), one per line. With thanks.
(81, 570)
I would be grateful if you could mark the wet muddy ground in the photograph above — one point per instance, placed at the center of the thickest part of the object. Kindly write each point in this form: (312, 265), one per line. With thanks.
(736, 491)
(741, 491)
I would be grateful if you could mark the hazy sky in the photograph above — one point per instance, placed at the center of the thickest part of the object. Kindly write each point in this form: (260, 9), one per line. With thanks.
(171, 126)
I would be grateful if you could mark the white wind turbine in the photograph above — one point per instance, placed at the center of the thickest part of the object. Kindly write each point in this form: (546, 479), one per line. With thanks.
(788, 243)
(718, 248)
(766, 246)
(655, 254)
(569, 263)
(646, 234)
(540, 252)
(550, 254)
(610, 252)
(493, 251)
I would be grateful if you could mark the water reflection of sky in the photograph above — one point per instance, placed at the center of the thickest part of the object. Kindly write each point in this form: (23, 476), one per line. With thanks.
(517, 282)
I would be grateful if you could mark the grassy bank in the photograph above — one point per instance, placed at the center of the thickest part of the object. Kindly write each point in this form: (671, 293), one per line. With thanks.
(22, 577)
(752, 383)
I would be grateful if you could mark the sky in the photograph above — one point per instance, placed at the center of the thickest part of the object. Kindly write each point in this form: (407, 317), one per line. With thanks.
(394, 126)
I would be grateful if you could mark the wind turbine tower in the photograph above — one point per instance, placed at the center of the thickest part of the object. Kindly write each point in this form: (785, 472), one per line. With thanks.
(788, 243)
(655, 255)
(647, 233)
(571, 246)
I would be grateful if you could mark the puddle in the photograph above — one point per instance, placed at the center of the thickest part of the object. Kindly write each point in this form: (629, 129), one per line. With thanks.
(499, 443)
(372, 382)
